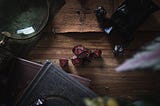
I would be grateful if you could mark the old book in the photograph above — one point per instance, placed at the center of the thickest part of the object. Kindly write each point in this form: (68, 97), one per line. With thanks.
(56, 87)
(23, 72)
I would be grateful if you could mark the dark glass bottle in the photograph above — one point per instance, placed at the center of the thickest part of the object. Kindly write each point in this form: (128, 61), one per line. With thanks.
(130, 15)
(126, 19)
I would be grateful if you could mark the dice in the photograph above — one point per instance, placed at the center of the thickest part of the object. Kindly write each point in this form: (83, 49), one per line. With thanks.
(100, 13)
(97, 53)
(76, 61)
(81, 55)
(40, 102)
(63, 63)
(118, 50)
(79, 50)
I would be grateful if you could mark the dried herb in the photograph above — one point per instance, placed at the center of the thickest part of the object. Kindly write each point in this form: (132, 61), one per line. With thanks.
(148, 58)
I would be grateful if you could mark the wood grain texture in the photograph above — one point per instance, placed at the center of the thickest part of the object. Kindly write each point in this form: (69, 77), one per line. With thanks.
(78, 16)
(105, 81)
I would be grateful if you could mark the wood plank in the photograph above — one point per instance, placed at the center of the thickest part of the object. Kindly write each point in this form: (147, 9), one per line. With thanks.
(105, 81)
(78, 16)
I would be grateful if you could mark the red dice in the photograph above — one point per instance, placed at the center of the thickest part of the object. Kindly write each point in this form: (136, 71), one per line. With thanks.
(76, 61)
(97, 53)
(81, 52)
(63, 62)
(88, 53)
(78, 50)
(81, 55)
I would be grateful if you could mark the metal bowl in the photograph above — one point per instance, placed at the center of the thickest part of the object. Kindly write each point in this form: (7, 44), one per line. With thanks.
(22, 19)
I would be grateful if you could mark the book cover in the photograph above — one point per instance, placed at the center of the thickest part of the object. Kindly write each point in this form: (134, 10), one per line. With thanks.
(56, 87)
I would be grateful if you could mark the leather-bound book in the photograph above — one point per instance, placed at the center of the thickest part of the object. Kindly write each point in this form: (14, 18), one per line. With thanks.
(56, 87)
(22, 73)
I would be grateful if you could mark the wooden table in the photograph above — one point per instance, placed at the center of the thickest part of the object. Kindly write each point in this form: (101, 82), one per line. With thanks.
(77, 16)
(105, 81)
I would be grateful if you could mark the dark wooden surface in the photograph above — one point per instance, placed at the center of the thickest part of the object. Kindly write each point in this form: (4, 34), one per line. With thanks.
(56, 87)
(77, 16)
(105, 81)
